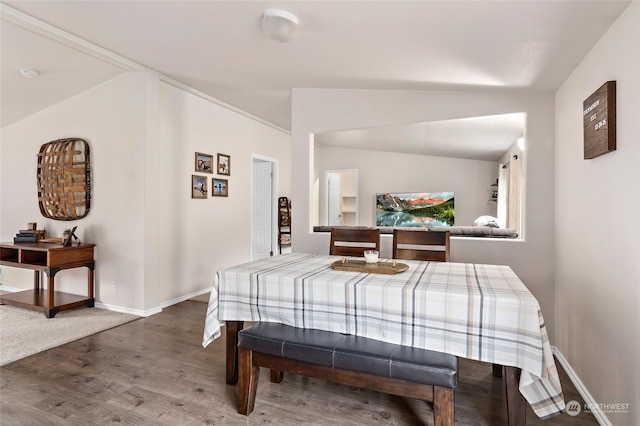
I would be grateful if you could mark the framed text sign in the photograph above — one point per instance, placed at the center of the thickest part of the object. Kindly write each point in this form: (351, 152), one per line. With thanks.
(599, 118)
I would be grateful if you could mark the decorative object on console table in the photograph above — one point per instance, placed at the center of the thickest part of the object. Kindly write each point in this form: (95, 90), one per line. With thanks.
(51, 240)
(22, 238)
(29, 236)
(284, 222)
(68, 235)
(599, 121)
(64, 179)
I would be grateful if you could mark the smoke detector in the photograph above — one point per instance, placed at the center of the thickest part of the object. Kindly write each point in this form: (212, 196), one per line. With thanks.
(29, 72)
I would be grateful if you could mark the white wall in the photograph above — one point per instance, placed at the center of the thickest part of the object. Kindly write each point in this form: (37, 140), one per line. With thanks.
(152, 238)
(394, 172)
(203, 235)
(320, 110)
(111, 118)
(597, 233)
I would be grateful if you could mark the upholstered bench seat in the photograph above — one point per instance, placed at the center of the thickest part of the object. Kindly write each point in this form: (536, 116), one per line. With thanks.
(346, 359)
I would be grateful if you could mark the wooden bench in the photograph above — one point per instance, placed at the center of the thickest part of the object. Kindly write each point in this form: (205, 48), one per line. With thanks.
(345, 359)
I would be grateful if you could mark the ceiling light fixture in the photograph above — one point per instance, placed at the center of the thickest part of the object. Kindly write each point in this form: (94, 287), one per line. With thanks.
(29, 72)
(280, 25)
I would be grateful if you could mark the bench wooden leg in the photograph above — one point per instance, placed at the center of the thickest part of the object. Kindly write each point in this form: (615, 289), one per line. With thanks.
(497, 370)
(443, 406)
(248, 375)
(276, 376)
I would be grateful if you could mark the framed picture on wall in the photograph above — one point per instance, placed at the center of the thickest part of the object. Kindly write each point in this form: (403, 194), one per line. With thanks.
(204, 162)
(224, 164)
(199, 186)
(219, 187)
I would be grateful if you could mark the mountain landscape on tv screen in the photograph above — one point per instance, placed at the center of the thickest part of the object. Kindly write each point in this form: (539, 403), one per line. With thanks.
(415, 209)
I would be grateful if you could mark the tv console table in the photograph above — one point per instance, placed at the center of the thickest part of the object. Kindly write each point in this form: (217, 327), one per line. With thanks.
(50, 259)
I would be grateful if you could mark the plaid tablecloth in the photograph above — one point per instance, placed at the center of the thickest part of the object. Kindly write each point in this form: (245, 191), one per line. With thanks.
(481, 312)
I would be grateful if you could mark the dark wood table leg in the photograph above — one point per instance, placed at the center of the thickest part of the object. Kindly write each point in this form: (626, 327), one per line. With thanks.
(50, 309)
(36, 281)
(232, 350)
(90, 285)
(516, 408)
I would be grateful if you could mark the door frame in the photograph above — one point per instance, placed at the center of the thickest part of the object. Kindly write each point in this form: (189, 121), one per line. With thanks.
(326, 192)
(274, 201)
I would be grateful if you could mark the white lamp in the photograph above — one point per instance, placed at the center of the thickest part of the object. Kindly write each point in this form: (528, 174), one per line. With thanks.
(280, 25)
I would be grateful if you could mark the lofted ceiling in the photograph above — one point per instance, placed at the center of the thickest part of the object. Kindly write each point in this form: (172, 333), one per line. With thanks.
(478, 138)
(218, 48)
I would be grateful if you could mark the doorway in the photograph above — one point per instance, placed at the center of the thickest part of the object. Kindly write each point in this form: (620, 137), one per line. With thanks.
(264, 172)
(341, 195)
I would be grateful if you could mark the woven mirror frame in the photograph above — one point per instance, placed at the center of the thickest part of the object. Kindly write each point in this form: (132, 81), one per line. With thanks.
(64, 179)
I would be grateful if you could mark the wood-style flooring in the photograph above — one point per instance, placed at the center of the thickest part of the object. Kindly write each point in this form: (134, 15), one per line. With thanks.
(154, 371)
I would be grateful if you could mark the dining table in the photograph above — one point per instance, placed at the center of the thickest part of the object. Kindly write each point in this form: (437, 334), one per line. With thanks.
(482, 312)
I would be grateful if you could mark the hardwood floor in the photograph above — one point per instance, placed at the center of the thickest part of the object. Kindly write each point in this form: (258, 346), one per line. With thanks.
(154, 371)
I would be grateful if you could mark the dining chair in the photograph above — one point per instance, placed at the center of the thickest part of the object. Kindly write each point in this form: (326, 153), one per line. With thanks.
(421, 245)
(353, 241)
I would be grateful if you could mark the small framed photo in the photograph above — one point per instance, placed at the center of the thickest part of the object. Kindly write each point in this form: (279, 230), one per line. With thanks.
(204, 163)
(224, 164)
(219, 187)
(199, 186)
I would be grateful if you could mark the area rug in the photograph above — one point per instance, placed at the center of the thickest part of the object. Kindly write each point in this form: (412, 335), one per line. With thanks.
(24, 332)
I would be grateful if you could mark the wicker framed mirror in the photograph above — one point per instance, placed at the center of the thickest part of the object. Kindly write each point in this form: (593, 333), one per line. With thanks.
(64, 179)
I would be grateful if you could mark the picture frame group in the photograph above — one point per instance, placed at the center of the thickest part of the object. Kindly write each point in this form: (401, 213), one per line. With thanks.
(204, 163)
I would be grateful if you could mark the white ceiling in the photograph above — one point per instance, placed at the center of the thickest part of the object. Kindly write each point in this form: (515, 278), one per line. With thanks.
(218, 48)
(64, 72)
(478, 138)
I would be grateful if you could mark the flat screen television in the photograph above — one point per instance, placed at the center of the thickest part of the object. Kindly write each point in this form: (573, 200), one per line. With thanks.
(415, 209)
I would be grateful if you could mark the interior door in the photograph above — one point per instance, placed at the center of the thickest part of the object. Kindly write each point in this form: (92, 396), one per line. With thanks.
(262, 219)
(334, 217)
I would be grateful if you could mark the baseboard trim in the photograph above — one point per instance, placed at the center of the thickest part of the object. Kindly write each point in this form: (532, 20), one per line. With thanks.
(186, 297)
(11, 289)
(138, 312)
(582, 389)
(122, 310)
(157, 309)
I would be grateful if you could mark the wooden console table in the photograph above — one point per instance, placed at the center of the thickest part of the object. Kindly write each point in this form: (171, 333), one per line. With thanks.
(50, 259)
